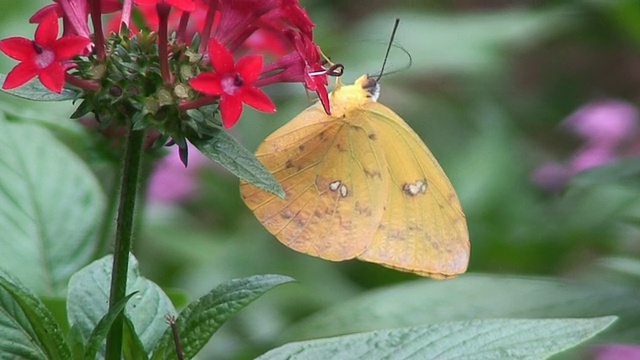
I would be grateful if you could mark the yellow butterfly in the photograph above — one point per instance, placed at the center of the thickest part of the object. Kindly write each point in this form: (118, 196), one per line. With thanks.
(361, 184)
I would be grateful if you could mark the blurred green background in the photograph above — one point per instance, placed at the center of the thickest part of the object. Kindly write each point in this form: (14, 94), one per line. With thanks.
(489, 84)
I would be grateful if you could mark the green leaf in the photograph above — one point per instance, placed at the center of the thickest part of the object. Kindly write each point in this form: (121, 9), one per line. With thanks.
(88, 300)
(76, 342)
(34, 90)
(27, 329)
(482, 40)
(99, 333)
(470, 297)
(228, 152)
(50, 208)
(179, 298)
(132, 346)
(623, 266)
(475, 339)
(58, 308)
(203, 317)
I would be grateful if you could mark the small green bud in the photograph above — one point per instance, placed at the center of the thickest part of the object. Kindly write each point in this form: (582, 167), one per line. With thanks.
(165, 97)
(151, 106)
(186, 72)
(98, 71)
(181, 91)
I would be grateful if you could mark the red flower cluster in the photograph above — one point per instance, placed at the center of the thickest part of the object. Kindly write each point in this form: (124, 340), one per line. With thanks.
(278, 30)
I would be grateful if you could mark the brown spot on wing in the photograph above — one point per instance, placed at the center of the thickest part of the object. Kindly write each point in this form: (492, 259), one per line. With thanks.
(372, 173)
(289, 164)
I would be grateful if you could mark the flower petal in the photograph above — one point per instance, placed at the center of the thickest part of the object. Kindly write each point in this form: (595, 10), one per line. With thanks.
(69, 47)
(18, 48)
(47, 31)
(249, 68)
(76, 14)
(45, 11)
(52, 77)
(257, 99)
(184, 5)
(207, 83)
(321, 90)
(221, 57)
(19, 75)
(230, 110)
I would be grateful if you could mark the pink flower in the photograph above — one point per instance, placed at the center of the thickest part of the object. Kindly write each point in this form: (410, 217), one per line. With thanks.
(184, 5)
(171, 181)
(590, 157)
(611, 131)
(551, 176)
(233, 83)
(617, 352)
(45, 57)
(604, 122)
(302, 65)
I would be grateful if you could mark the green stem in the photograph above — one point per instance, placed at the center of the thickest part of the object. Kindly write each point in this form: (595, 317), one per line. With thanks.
(124, 235)
(106, 227)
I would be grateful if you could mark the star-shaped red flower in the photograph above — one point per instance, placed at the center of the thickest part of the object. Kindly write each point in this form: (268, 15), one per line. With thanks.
(184, 5)
(233, 83)
(46, 56)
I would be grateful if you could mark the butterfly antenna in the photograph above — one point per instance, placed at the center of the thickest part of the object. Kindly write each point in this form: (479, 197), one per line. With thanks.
(386, 55)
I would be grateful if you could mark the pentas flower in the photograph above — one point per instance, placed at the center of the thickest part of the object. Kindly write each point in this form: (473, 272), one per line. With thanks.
(45, 57)
(184, 5)
(616, 352)
(304, 65)
(171, 182)
(610, 130)
(171, 67)
(268, 42)
(233, 83)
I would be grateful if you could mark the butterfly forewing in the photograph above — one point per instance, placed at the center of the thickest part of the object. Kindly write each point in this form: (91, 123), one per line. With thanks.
(335, 186)
(423, 229)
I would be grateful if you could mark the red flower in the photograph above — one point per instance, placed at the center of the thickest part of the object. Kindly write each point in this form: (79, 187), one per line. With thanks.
(184, 5)
(233, 83)
(238, 20)
(44, 57)
(304, 65)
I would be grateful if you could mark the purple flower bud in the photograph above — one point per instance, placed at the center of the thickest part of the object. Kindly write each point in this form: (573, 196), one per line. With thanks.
(590, 157)
(616, 352)
(551, 176)
(171, 182)
(605, 122)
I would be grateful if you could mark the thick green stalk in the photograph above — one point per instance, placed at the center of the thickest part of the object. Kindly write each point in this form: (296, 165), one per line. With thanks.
(124, 235)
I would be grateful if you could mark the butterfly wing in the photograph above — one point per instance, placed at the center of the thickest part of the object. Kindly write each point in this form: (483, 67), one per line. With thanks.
(335, 186)
(423, 229)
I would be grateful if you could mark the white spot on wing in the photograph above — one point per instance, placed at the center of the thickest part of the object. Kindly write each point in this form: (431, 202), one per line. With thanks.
(419, 187)
(342, 189)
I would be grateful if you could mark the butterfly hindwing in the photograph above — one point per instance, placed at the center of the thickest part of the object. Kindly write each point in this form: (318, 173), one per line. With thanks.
(423, 229)
(334, 184)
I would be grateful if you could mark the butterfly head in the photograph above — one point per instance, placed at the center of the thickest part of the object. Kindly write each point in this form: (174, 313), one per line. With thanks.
(370, 85)
(365, 90)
